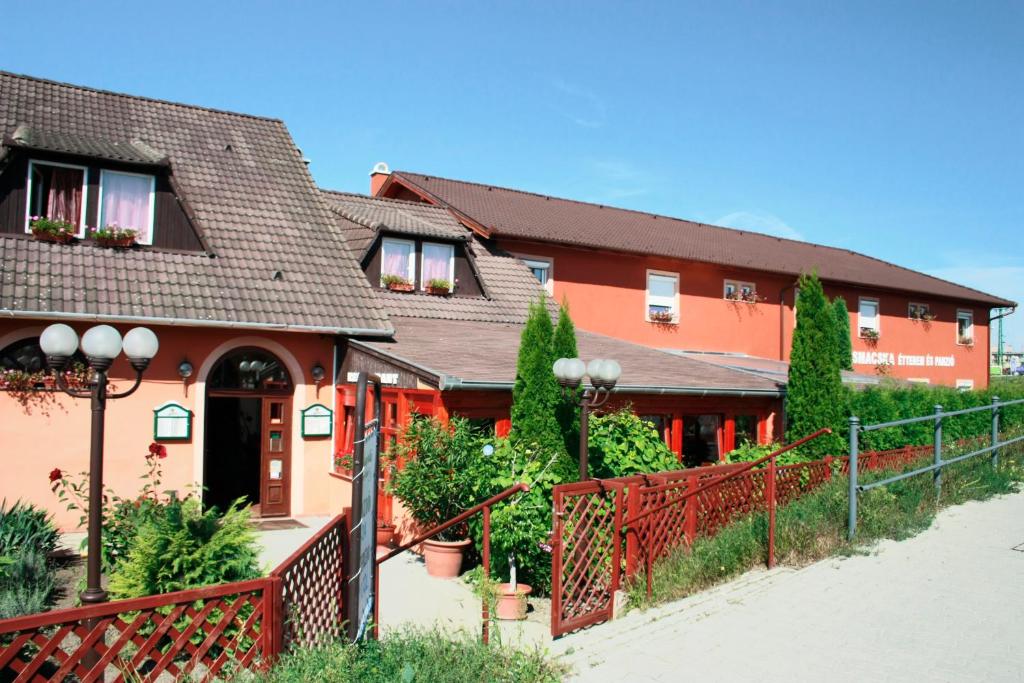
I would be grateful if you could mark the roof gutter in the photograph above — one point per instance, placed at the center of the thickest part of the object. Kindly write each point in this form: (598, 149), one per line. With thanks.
(450, 383)
(1011, 311)
(189, 322)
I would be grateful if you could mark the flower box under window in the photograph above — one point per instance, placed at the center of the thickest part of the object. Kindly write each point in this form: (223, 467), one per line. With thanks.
(869, 333)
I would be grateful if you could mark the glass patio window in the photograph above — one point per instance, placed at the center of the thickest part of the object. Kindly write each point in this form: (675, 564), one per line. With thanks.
(438, 263)
(662, 296)
(398, 257)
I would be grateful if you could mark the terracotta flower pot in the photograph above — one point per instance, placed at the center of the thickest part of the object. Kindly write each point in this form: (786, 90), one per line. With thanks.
(111, 242)
(59, 238)
(439, 291)
(401, 287)
(385, 533)
(512, 602)
(444, 558)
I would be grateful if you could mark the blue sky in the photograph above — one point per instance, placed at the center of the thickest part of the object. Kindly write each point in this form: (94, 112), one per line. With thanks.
(894, 129)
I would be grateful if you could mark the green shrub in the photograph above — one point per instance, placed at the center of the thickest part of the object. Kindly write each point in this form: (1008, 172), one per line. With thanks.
(815, 396)
(26, 583)
(536, 396)
(622, 444)
(182, 546)
(437, 471)
(415, 656)
(23, 525)
(844, 340)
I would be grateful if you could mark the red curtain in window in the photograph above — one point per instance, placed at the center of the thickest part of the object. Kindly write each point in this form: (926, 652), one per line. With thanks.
(65, 200)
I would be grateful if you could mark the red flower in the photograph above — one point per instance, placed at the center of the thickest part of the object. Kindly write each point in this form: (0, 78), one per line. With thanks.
(56, 474)
(157, 449)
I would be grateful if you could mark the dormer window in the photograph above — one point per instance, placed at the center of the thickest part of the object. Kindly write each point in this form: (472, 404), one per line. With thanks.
(127, 201)
(398, 258)
(438, 263)
(56, 191)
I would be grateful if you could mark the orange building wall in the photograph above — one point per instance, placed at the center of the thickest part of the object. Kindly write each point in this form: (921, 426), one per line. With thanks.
(52, 430)
(607, 294)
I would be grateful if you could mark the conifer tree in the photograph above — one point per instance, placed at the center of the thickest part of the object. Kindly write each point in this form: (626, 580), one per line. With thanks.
(536, 394)
(563, 345)
(844, 344)
(815, 396)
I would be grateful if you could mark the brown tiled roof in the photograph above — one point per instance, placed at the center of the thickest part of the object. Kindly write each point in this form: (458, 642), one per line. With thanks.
(467, 355)
(278, 259)
(523, 215)
(28, 137)
(509, 286)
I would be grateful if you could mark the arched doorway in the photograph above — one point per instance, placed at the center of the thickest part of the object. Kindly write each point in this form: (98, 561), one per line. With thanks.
(247, 448)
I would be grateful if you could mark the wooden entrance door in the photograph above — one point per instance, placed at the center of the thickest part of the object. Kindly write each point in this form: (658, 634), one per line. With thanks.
(275, 456)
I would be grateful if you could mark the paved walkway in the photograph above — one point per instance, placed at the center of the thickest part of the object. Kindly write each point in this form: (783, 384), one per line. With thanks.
(946, 605)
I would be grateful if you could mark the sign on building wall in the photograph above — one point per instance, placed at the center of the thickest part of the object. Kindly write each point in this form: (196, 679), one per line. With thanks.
(172, 422)
(902, 359)
(385, 377)
(317, 420)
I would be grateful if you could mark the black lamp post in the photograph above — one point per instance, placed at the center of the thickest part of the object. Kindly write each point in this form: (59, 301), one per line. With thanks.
(101, 345)
(603, 375)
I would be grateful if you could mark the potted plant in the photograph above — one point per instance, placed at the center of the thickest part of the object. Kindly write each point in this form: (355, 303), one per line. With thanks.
(433, 479)
(511, 598)
(439, 286)
(965, 340)
(47, 230)
(396, 283)
(869, 334)
(661, 317)
(385, 532)
(113, 236)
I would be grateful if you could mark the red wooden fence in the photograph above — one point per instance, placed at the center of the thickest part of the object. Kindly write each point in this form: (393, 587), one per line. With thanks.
(586, 552)
(205, 633)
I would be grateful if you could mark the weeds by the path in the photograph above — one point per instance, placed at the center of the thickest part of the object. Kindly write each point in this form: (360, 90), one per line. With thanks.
(813, 527)
(417, 655)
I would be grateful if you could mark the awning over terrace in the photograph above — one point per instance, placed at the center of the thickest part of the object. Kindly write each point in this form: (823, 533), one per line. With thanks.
(465, 355)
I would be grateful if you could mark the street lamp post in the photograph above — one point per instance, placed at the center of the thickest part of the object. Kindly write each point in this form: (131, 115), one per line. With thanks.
(101, 345)
(603, 375)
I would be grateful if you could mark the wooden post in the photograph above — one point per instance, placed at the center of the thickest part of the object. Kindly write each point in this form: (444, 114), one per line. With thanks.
(632, 541)
(691, 508)
(273, 620)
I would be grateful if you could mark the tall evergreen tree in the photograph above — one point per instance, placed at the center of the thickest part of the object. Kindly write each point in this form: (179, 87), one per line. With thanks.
(536, 394)
(563, 345)
(815, 396)
(844, 343)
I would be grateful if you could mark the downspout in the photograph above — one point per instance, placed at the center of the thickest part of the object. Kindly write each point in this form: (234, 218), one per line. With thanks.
(782, 320)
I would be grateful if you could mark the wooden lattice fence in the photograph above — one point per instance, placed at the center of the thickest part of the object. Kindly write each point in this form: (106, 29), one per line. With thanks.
(587, 552)
(202, 634)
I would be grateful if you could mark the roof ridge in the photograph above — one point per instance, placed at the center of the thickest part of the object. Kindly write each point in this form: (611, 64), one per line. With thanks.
(741, 231)
(391, 200)
(143, 98)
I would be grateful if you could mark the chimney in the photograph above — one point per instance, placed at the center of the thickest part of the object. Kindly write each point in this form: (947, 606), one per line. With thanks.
(378, 175)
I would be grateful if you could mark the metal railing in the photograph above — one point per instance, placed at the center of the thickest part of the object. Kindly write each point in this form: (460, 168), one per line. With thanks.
(484, 507)
(938, 462)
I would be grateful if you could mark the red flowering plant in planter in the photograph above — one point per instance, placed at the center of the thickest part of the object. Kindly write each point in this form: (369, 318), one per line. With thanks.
(113, 236)
(49, 230)
(121, 516)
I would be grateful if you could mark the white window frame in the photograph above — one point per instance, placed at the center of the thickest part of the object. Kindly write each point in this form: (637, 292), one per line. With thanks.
(965, 385)
(451, 262)
(969, 315)
(85, 191)
(927, 309)
(544, 262)
(647, 294)
(100, 223)
(412, 257)
(877, 326)
(738, 285)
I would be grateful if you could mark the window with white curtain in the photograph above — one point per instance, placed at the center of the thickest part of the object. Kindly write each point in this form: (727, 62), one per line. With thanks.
(868, 316)
(127, 201)
(398, 257)
(438, 263)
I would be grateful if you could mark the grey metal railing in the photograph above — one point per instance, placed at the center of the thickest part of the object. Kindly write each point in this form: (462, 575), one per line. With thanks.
(937, 463)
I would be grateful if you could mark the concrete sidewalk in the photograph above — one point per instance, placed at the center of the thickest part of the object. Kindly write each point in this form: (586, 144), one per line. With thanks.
(946, 605)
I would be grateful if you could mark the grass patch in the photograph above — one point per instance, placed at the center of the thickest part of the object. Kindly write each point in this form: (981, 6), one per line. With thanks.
(813, 527)
(415, 655)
